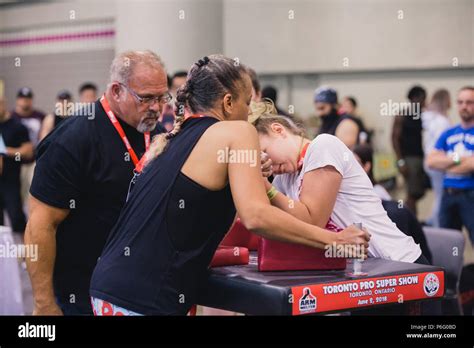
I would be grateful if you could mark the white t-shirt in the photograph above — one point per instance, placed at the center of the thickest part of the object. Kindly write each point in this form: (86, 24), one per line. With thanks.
(382, 192)
(356, 200)
(434, 124)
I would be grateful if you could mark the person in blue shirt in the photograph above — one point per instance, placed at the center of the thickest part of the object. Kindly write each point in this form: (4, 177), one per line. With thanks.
(454, 154)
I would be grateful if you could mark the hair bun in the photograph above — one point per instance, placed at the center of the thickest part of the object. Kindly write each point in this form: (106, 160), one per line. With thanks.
(203, 61)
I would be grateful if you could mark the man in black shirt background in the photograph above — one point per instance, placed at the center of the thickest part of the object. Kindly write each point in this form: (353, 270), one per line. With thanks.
(407, 143)
(81, 181)
(15, 147)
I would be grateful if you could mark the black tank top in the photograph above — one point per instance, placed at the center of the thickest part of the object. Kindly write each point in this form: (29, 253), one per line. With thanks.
(411, 143)
(331, 122)
(157, 255)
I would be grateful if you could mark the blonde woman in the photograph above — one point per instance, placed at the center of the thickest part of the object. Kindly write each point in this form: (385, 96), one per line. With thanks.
(317, 180)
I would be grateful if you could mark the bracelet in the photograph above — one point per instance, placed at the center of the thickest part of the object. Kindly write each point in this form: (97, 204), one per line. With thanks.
(272, 193)
(456, 159)
(401, 162)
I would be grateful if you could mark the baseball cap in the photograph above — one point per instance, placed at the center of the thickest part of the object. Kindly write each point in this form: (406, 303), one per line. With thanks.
(325, 95)
(64, 94)
(25, 92)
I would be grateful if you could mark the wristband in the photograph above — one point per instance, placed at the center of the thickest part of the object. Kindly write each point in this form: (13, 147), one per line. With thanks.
(272, 193)
(456, 159)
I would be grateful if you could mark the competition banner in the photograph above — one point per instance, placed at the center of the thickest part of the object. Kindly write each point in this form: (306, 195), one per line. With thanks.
(366, 292)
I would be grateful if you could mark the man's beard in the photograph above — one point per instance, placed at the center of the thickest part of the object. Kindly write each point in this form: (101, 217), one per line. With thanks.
(26, 110)
(148, 123)
(467, 117)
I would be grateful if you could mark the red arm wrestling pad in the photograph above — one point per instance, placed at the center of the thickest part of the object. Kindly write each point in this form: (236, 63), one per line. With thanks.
(281, 256)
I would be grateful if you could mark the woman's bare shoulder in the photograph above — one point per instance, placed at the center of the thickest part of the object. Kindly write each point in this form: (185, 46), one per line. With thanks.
(231, 130)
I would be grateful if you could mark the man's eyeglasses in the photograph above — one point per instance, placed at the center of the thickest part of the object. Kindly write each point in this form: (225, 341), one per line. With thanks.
(162, 99)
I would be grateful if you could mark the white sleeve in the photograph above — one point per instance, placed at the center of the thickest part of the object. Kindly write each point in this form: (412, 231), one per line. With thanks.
(277, 182)
(327, 150)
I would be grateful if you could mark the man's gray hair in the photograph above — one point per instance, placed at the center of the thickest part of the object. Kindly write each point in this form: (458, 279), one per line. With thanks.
(123, 64)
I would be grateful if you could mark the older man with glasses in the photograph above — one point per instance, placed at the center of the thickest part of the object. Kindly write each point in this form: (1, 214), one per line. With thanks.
(81, 181)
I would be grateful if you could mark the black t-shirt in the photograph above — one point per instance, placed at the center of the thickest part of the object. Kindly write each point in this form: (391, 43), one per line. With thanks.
(14, 134)
(411, 137)
(32, 122)
(83, 166)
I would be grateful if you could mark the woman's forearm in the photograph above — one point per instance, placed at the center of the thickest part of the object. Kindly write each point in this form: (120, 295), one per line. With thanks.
(273, 223)
(292, 207)
(295, 208)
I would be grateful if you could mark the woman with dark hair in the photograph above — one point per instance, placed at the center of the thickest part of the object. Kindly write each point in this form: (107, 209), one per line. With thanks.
(182, 204)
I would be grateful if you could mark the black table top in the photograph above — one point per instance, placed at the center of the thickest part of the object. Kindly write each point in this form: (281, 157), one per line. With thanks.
(246, 290)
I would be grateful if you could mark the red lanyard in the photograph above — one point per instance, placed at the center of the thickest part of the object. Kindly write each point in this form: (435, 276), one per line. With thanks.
(194, 116)
(141, 164)
(301, 157)
(120, 131)
(300, 164)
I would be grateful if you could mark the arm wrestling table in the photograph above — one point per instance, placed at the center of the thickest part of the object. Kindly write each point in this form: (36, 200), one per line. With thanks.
(245, 290)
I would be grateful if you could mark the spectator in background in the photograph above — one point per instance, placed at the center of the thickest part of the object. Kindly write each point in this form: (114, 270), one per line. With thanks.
(454, 154)
(61, 109)
(400, 215)
(434, 122)
(33, 120)
(88, 93)
(365, 156)
(349, 107)
(345, 127)
(60, 112)
(177, 80)
(15, 146)
(256, 87)
(270, 92)
(167, 116)
(406, 141)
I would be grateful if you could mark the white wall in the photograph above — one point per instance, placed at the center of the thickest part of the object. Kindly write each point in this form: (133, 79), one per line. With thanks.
(46, 14)
(159, 25)
(48, 67)
(366, 32)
